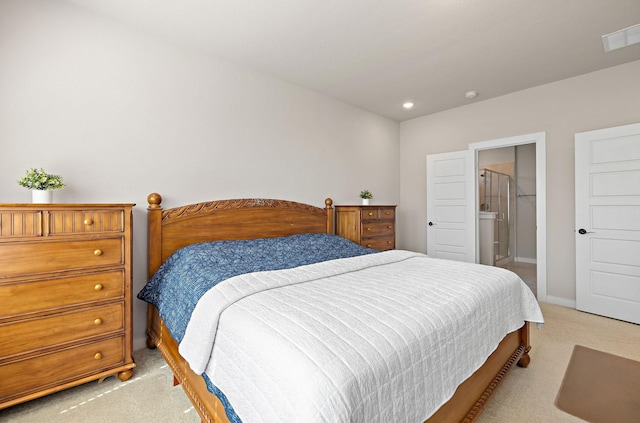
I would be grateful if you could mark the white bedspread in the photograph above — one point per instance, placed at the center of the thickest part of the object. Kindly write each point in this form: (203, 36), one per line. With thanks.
(378, 338)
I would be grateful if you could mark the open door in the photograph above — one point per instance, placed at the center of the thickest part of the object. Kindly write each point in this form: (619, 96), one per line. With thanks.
(608, 222)
(451, 211)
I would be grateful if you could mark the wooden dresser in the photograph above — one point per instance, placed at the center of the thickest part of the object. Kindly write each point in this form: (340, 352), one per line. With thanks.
(370, 226)
(65, 297)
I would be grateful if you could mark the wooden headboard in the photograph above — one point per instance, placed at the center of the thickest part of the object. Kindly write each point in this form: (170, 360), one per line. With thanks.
(248, 218)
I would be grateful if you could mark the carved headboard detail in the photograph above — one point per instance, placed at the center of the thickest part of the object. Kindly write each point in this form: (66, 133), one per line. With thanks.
(247, 218)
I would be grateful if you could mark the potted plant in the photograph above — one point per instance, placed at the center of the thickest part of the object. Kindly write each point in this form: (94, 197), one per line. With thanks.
(366, 196)
(41, 184)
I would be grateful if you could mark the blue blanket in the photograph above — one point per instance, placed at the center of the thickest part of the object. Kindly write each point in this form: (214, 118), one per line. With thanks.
(191, 271)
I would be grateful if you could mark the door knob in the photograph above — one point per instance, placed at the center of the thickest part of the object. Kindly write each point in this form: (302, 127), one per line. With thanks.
(584, 231)
(430, 223)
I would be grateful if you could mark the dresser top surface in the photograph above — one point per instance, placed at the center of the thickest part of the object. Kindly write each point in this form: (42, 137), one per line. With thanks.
(371, 206)
(38, 206)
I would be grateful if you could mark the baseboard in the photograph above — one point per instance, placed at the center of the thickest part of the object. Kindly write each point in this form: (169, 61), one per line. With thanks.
(565, 302)
(139, 343)
(526, 260)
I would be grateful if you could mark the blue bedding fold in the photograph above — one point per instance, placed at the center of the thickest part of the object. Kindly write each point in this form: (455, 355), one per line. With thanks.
(191, 271)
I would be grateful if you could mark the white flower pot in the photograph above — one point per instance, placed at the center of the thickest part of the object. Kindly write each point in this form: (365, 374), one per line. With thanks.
(41, 196)
(365, 201)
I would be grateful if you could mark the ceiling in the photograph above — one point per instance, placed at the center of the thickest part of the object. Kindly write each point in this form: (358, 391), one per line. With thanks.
(377, 54)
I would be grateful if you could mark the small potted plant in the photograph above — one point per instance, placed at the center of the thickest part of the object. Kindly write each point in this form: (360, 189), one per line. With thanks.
(366, 196)
(41, 184)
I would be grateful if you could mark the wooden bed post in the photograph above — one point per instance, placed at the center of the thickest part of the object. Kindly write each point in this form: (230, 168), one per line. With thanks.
(154, 245)
(524, 340)
(328, 206)
(154, 216)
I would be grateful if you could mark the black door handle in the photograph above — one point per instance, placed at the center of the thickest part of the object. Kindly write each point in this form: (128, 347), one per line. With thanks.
(582, 231)
(430, 223)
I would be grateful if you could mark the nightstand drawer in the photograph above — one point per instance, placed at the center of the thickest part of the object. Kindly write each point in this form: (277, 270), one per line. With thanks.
(44, 332)
(368, 214)
(62, 222)
(40, 295)
(377, 228)
(30, 258)
(382, 244)
(54, 369)
(387, 213)
(379, 213)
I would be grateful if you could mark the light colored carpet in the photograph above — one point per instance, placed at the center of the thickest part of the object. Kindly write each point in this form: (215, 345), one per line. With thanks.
(526, 395)
(149, 396)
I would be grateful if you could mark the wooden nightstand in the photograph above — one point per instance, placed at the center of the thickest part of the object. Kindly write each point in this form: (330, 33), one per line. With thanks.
(370, 226)
(65, 295)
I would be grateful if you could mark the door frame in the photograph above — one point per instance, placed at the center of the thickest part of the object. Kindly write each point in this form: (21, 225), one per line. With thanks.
(539, 139)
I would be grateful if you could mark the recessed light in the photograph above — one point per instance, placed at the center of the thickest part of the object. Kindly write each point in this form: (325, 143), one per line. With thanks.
(408, 105)
(471, 94)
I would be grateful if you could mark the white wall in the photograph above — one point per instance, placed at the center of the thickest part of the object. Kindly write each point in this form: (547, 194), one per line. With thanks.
(602, 99)
(121, 114)
(496, 155)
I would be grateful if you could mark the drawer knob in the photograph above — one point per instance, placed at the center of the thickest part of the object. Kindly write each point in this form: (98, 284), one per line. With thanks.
(388, 242)
(389, 227)
(98, 287)
(97, 322)
(97, 252)
(97, 356)
(88, 221)
(368, 245)
(370, 213)
(368, 229)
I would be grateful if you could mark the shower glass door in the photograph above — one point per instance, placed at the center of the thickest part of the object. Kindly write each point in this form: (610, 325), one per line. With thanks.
(495, 188)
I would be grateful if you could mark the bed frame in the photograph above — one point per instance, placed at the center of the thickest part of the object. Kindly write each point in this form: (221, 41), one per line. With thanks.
(174, 228)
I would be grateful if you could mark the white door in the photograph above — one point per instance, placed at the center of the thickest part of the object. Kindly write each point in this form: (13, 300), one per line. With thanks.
(451, 217)
(608, 222)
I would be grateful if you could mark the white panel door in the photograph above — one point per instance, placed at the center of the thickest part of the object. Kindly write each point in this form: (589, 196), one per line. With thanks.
(451, 217)
(608, 222)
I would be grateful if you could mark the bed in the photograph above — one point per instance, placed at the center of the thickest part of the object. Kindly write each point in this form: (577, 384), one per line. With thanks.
(191, 226)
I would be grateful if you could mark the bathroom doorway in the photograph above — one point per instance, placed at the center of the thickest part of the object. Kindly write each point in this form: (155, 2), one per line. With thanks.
(507, 209)
(467, 214)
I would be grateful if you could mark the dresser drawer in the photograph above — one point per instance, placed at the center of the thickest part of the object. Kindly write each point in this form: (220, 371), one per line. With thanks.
(20, 223)
(40, 295)
(377, 213)
(56, 368)
(382, 244)
(377, 228)
(32, 334)
(30, 258)
(63, 222)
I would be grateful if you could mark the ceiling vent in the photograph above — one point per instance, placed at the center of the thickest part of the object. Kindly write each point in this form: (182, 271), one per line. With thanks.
(623, 38)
